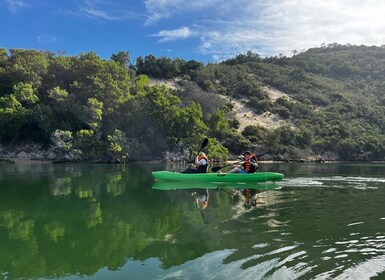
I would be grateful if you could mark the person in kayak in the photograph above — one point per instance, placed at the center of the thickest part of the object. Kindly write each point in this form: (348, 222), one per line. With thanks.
(200, 164)
(249, 165)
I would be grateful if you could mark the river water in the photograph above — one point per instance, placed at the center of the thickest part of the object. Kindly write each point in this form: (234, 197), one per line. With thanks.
(100, 221)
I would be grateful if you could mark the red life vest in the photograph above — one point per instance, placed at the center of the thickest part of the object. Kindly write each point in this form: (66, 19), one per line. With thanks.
(249, 168)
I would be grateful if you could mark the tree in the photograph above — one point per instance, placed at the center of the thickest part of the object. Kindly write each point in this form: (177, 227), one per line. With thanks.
(255, 134)
(25, 93)
(218, 123)
(12, 118)
(57, 94)
(122, 58)
(93, 113)
(119, 147)
(28, 66)
(141, 83)
(3, 57)
(63, 144)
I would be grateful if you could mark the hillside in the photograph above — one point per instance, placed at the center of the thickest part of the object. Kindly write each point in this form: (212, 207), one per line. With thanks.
(326, 102)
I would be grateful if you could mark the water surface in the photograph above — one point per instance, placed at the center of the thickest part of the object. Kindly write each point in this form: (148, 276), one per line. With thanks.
(99, 221)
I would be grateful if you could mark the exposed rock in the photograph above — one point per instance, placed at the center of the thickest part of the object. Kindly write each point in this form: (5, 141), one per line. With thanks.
(28, 151)
(6, 161)
(23, 155)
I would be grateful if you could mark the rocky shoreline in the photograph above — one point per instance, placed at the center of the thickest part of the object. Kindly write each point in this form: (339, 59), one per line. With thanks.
(35, 152)
(27, 152)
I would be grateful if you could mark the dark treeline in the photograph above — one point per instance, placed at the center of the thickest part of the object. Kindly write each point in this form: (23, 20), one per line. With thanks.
(88, 108)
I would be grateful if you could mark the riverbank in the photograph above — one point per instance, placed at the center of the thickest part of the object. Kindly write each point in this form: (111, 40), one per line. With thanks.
(35, 152)
(27, 152)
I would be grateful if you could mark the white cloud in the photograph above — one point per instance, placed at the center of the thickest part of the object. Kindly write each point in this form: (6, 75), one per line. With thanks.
(303, 24)
(267, 27)
(172, 35)
(102, 9)
(98, 13)
(94, 8)
(15, 5)
(45, 39)
(158, 10)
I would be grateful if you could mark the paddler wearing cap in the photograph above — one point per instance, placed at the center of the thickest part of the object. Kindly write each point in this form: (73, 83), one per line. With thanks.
(249, 165)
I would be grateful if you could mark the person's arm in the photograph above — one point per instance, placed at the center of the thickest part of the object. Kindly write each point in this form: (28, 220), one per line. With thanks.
(196, 161)
(254, 163)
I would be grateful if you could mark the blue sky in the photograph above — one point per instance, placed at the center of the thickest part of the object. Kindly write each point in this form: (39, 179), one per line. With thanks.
(204, 30)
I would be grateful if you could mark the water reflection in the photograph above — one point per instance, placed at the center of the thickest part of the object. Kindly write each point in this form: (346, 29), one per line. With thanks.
(113, 221)
(236, 197)
(201, 198)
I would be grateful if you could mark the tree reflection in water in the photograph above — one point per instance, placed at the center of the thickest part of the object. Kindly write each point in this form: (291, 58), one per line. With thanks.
(77, 219)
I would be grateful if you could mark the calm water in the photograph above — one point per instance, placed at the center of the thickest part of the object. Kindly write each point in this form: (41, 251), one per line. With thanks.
(324, 221)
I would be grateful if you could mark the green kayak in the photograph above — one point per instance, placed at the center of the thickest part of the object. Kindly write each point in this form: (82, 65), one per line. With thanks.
(184, 185)
(218, 177)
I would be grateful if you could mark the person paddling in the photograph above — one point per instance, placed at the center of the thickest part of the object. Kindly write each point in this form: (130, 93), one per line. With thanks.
(200, 164)
(249, 165)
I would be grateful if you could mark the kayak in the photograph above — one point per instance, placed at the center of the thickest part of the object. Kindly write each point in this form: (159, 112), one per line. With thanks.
(218, 177)
(184, 185)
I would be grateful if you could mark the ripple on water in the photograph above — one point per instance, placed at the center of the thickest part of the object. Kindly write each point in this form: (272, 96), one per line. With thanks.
(357, 258)
(361, 183)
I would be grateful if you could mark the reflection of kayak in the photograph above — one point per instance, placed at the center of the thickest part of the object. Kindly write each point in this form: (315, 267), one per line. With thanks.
(174, 185)
(218, 177)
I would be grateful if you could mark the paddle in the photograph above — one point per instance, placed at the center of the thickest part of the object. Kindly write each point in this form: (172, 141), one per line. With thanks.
(217, 168)
(204, 144)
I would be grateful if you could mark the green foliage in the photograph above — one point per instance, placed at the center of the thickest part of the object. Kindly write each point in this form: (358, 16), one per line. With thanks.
(217, 152)
(93, 111)
(57, 94)
(122, 58)
(218, 123)
(12, 118)
(157, 119)
(244, 58)
(88, 144)
(235, 142)
(3, 57)
(62, 143)
(249, 88)
(260, 106)
(336, 102)
(158, 67)
(28, 66)
(25, 93)
(118, 145)
(166, 68)
(141, 83)
(255, 134)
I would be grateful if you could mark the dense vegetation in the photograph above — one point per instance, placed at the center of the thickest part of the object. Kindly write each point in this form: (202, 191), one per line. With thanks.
(88, 108)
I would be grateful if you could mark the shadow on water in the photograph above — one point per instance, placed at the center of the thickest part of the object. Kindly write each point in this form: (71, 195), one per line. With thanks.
(113, 221)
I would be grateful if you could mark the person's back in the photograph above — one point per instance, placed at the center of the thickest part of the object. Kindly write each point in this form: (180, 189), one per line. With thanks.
(200, 166)
(202, 163)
